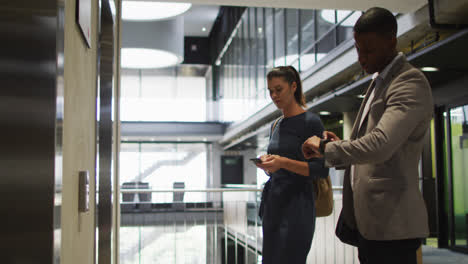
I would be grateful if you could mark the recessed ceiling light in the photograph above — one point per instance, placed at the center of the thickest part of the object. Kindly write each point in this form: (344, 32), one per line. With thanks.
(203, 29)
(148, 58)
(329, 16)
(142, 10)
(429, 69)
(324, 113)
(260, 30)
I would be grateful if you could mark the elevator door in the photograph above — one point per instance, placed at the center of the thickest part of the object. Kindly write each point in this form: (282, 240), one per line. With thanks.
(458, 151)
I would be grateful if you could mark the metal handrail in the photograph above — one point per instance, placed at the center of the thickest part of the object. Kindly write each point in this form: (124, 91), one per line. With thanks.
(334, 188)
(191, 190)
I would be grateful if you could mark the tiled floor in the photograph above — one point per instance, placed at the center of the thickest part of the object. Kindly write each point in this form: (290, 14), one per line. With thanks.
(442, 256)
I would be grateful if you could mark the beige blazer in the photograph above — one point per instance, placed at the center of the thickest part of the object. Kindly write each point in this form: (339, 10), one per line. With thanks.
(385, 202)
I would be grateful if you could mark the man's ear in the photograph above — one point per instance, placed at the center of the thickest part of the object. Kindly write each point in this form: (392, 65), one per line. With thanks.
(393, 42)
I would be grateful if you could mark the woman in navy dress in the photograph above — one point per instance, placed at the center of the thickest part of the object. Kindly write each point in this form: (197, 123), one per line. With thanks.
(287, 209)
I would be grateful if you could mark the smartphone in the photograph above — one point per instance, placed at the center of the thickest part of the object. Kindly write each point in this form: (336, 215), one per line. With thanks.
(256, 160)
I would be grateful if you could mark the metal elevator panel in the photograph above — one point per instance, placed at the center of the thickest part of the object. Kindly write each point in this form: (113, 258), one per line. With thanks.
(31, 111)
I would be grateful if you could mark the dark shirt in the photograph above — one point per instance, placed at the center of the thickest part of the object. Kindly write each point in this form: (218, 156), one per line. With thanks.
(287, 138)
(287, 208)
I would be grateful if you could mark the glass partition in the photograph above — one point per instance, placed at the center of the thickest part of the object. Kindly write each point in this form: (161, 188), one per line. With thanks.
(162, 166)
(268, 37)
(280, 38)
(292, 37)
(459, 170)
(223, 229)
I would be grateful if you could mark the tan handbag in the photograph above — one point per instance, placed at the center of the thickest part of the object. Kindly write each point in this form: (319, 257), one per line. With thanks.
(322, 188)
(323, 196)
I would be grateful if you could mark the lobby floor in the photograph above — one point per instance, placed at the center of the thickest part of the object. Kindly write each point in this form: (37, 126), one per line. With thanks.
(442, 256)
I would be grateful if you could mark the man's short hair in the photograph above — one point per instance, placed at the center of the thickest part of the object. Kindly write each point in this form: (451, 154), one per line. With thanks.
(377, 20)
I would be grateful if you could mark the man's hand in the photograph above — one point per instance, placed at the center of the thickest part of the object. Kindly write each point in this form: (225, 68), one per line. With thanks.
(331, 136)
(310, 148)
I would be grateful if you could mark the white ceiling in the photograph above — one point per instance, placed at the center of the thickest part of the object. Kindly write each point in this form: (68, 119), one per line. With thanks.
(204, 12)
(399, 6)
(197, 17)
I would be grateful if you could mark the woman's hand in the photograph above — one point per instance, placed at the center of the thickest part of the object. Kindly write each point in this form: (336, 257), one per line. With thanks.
(271, 163)
(310, 148)
(259, 165)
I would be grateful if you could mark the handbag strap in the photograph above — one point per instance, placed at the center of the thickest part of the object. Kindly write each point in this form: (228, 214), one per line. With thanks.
(274, 124)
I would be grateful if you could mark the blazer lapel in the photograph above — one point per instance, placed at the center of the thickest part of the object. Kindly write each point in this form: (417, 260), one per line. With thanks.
(354, 131)
(390, 75)
(382, 87)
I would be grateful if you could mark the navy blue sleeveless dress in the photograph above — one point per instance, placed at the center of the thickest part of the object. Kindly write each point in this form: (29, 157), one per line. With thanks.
(287, 209)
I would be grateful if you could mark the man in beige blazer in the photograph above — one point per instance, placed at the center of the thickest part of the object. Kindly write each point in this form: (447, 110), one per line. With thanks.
(383, 207)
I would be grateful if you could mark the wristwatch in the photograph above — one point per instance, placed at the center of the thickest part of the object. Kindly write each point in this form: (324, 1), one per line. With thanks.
(322, 145)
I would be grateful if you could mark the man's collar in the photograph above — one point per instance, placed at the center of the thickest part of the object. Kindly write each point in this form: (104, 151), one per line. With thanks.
(381, 76)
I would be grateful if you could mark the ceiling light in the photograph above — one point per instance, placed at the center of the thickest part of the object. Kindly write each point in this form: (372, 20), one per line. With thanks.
(203, 29)
(152, 44)
(329, 16)
(142, 10)
(148, 58)
(429, 69)
(324, 113)
(360, 96)
(218, 62)
(260, 30)
(340, 122)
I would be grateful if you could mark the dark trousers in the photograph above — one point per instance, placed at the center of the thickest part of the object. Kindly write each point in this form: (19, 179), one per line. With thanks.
(288, 223)
(388, 252)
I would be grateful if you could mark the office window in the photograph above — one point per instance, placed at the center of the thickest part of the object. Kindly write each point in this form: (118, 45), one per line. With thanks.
(326, 20)
(269, 37)
(280, 49)
(269, 34)
(151, 95)
(292, 37)
(307, 29)
(261, 54)
(347, 19)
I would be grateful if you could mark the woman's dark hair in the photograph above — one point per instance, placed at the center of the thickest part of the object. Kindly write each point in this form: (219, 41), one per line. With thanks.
(290, 75)
(377, 20)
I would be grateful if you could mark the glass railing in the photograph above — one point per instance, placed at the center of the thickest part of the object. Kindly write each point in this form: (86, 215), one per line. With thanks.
(210, 226)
